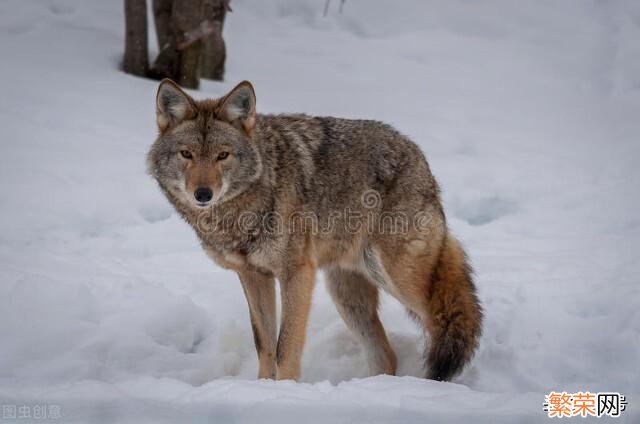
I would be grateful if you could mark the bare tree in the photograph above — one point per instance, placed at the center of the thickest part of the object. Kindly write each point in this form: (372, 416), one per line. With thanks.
(162, 17)
(166, 64)
(178, 31)
(186, 17)
(136, 56)
(190, 42)
(213, 47)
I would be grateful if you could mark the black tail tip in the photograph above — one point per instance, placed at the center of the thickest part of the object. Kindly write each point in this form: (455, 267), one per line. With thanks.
(445, 371)
(446, 360)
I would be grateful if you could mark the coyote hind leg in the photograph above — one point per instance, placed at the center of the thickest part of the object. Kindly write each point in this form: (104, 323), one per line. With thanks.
(356, 300)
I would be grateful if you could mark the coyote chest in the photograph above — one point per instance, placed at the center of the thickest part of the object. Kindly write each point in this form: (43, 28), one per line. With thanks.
(262, 257)
(269, 253)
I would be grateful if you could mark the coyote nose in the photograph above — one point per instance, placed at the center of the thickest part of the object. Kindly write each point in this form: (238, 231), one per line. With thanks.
(203, 194)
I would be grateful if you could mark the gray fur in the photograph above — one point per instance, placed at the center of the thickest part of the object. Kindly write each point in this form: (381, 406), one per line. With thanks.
(300, 166)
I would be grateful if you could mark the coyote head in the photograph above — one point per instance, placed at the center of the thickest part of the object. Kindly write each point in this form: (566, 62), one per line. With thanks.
(204, 154)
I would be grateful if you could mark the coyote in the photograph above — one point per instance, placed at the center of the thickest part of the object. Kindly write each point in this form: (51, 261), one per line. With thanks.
(275, 196)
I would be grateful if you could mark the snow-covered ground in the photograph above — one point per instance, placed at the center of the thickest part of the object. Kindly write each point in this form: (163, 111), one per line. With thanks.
(529, 113)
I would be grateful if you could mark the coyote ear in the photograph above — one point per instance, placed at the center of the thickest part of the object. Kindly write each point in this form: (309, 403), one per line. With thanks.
(172, 105)
(239, 107)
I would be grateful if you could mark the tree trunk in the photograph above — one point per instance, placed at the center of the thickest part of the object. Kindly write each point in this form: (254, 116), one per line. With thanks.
(162, 18)
(189, 70)
(213, 47)
(186, 17)
(136, 56)
(179, 57)
(167, 62)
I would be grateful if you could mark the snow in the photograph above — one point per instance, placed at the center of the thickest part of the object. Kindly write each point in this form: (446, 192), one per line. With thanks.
(528, 113)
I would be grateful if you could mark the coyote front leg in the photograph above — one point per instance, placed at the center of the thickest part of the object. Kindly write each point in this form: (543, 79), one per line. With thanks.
(261, 295)
(296, 288)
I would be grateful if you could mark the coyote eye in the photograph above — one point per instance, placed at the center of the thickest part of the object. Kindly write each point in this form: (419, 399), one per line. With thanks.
(186, 154)
(223, 155)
